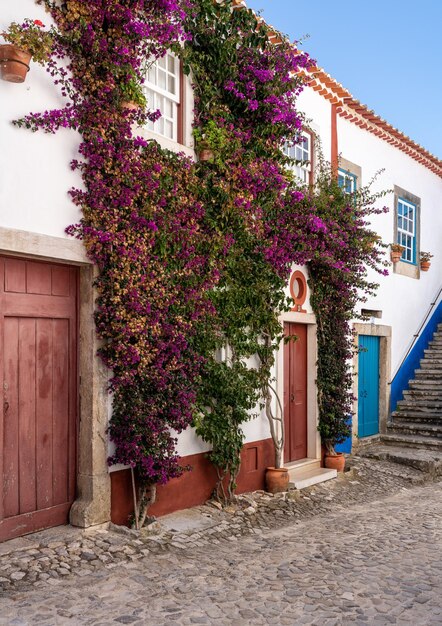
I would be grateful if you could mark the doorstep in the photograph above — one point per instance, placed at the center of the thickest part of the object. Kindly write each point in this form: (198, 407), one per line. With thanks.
(307, 472)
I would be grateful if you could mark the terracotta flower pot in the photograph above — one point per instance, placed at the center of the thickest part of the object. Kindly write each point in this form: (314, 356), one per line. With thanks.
(425, 266)
(130, 106)
(205, 154)
(335, 461)
(277, 479)
(14, 63)
(395, 256)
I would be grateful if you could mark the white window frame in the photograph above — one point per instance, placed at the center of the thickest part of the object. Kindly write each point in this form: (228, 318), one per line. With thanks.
(303, 155)
(406, 229)
(158, 98)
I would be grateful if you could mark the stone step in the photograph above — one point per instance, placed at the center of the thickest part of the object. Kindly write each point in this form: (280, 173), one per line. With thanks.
(417, 394)
(430, 443)
(423, 385)
(425, 420)
(430, 364)
(426, 403)
(429, 461)
(414, 428)
(413, 415)
(311, 476)
(429, 374)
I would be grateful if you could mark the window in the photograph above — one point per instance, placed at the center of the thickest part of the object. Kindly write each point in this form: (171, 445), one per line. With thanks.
(302, 153)
(347, 181)
(162, 90)
(406, 229)
(407, 216)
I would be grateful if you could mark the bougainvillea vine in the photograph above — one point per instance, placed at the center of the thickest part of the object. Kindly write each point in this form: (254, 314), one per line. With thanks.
(193, 258)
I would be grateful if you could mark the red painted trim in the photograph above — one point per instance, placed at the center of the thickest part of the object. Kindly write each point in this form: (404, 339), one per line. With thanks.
(301, 297)
(193, 487)
(334, 140)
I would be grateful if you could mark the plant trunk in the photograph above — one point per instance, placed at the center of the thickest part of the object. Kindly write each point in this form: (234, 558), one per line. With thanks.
(147, 495)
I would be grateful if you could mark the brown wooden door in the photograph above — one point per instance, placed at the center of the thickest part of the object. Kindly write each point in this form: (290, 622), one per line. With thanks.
(295, 393)
(38, 370)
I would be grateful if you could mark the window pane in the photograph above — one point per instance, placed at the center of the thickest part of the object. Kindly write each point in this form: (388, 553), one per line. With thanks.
(162, 80)
(171, 84)
(168, 129)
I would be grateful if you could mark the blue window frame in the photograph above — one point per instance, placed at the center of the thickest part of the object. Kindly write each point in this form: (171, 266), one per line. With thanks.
(347, 181)
(406, 229)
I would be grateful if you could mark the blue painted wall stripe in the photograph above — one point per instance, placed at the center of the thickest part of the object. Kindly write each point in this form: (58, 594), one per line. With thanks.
(401, 379)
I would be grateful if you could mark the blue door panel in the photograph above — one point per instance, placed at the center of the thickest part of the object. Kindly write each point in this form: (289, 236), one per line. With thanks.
(368, 386)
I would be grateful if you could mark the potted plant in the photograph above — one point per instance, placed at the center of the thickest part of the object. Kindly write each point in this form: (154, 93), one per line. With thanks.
(210, 142)
(332, 459)
(396, 251)
(425, 261)
(132, 95)
(25, 41)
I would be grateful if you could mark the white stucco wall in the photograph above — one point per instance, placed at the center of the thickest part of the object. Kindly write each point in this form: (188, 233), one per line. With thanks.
(403, 300)
(317, 111)
(34, 167)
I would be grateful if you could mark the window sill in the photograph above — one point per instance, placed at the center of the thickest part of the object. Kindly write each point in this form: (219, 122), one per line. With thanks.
(406, 269)
(167, 144)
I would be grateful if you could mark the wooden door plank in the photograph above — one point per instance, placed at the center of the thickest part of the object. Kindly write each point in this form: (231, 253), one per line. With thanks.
(61, 278)
(15, 275)
(26, 404)
(286, 371)
(61, 410)
(44, 413)
(31, 305)
(73, 399)
(38, 278)
(10, 441)
(300, 392)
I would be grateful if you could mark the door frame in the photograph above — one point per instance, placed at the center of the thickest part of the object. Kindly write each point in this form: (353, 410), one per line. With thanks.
(93, 492)
(384, 334)
(313, 437)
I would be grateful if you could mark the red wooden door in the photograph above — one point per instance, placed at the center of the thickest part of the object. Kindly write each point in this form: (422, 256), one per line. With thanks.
(295, 393)
(38, 370)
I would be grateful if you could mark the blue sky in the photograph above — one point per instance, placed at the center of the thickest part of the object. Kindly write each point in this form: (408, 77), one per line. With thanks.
(387, 53)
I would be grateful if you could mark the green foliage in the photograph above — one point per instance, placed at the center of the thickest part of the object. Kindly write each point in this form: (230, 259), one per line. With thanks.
(132, 91)
(338, 283)
(30, 37)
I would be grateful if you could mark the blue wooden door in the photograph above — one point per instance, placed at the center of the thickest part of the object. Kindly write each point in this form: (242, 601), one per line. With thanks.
(368, 386)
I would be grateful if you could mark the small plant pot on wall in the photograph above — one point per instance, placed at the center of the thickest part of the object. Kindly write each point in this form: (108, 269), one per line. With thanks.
(396, 251)
(277, 479)
(130, 106)
(14, 63)
(335, 461)
(206, 154)
(425, 261)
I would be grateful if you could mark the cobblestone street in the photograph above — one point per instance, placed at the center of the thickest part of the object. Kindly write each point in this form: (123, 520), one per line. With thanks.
(347, 559)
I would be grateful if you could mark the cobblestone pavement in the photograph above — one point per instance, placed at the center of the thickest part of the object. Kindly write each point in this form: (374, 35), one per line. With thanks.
(365, 549)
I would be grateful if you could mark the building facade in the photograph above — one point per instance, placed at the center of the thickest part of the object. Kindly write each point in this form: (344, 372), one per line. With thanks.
(53, 428)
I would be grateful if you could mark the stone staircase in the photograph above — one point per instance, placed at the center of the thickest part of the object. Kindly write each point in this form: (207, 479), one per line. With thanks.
(417, 421)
